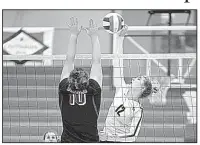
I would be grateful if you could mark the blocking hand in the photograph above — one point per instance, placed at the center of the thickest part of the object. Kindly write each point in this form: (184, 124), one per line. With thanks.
(92, 30)
(73, 26)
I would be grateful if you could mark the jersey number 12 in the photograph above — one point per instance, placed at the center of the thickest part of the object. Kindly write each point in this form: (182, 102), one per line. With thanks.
(120, 109)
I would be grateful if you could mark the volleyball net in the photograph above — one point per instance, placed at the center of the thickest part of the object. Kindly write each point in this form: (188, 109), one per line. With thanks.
(30, 94)
(30, 89)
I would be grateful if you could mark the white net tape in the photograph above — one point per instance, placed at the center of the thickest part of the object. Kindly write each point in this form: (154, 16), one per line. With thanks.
(103, 56)
(130, 28)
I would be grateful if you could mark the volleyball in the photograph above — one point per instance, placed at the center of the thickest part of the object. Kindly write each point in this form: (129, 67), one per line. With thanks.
(113, 23)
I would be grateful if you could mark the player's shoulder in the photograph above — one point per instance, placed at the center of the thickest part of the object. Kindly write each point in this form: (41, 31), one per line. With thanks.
(63, 84)
(94, 84)
(136, 104)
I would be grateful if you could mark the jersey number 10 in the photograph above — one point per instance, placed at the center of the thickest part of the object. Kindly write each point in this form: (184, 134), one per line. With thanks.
(79, 99)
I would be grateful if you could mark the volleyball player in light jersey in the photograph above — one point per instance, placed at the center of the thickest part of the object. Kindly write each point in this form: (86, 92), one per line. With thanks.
(125, 113)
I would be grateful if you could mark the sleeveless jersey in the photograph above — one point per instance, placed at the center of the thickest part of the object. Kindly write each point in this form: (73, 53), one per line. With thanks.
(80, 113)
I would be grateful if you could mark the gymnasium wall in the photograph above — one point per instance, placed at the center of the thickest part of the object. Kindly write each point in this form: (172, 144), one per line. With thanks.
(58, 19)
(154, 44)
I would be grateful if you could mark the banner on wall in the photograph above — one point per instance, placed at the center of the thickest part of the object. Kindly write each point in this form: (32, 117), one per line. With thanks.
(23, 43)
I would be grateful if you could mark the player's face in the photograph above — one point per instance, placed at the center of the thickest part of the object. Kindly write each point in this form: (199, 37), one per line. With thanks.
(137, 86)
(50, 137)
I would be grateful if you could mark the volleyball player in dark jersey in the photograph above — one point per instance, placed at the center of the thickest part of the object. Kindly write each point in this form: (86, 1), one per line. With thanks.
(80, 93)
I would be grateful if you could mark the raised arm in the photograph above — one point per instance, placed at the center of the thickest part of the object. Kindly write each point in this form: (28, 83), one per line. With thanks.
(69, 62)
(118, 70)
(96, 69)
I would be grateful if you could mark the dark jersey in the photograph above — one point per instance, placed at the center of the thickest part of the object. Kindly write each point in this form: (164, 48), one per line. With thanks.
(80, 113)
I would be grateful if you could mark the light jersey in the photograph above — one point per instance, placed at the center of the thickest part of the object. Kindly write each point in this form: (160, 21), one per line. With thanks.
(123, 120)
